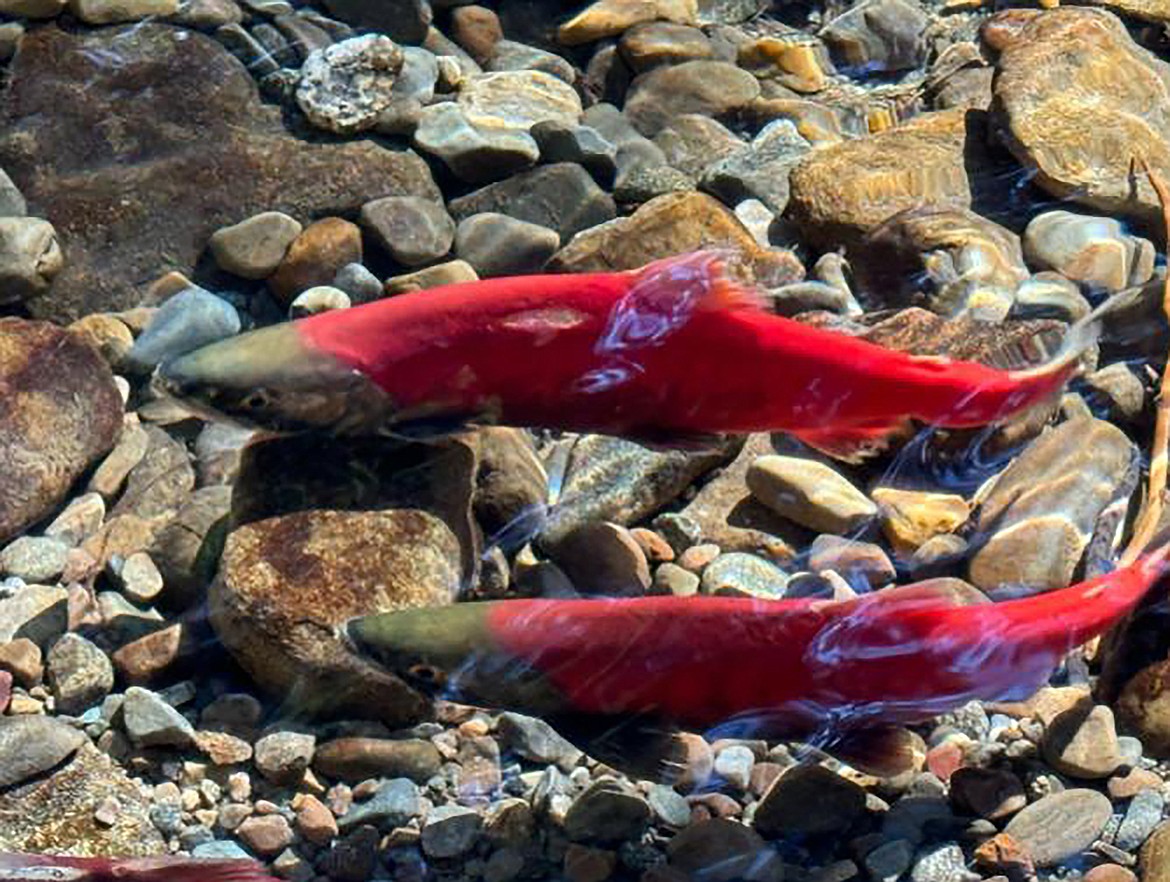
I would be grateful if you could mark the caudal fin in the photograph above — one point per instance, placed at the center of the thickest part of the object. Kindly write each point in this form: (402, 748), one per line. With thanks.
(1081, 336)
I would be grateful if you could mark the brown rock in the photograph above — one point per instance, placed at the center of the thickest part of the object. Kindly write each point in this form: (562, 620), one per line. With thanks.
(1144, 707)
(603, 558)
(673, 224)
(355, 759)
(222, 748)
(314, 820)
(161, 481)
(711, 88)
(315, 256)
(842, 190)
(993, 794)
(1131, 782)
(186, 549)
(808, 800)
(110, 476)
(1061, 825)
(1077, 99)
(54, 814)
(719, 849)
(267, 835)
(145, 659)
(1004, 855)
(5, 690)
(1110, 873)
(477, 29)
(1082, 742)
(909, 517)
(107, 334)
(60, 411)
(195, 150)
(586, 864)
(661, 42)
(609, 18)
(22, 659)
(1155, 855)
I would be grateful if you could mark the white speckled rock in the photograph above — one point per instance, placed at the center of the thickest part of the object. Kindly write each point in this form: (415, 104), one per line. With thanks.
(345, 86)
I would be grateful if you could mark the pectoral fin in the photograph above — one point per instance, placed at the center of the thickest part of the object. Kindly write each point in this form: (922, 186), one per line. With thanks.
(643, 746)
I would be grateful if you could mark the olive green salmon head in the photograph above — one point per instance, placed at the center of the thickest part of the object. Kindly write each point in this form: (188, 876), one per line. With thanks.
(271, 379)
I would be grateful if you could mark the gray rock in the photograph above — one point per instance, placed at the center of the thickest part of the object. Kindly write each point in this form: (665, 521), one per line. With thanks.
(734, 765)
(809, 493)
(37, 612)
(404, 20)
(584, 145)
(359, 283)
(877, 36)
(1061, 825)
(34, 558)
(561, 196)
(413, 230)
(889, 861)
(719, 850)
(220, 849)
(693, 143)
(413, 89)
(760, 170)
(536, 741)
(140, 579)
(518, 100)
(254, 248)
(943, 862)
(450, 830)
(643, 182)
(473, 153)
(738, 574)
(345, 86)
(395, 803)
(498, 245)
(282, 757)
(80, 674)
(1142, 815)
(671, 579)
(30, 257)
(510, 56)
(1082, 741)
(151, 722)
(81, 519)
(190, 319)
(32, 745)
(1047, 295)
(668, 806)
(12, 202)
(607, 812)
(863, 565)
(633, 148)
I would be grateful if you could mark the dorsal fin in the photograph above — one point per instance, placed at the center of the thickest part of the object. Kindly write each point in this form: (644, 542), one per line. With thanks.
(702, 275)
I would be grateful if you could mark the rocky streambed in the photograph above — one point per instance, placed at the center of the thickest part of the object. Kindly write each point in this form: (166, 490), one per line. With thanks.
(945, 178)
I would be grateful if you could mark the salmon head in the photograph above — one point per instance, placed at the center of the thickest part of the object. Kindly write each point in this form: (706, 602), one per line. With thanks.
(272, 379)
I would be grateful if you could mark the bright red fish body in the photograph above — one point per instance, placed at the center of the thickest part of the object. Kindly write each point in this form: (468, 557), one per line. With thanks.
(62, 868)
(672, 351)
(897, 656)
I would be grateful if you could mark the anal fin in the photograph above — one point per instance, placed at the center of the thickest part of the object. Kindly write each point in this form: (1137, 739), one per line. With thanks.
(881, 751)
(640, 745)
(857, 443)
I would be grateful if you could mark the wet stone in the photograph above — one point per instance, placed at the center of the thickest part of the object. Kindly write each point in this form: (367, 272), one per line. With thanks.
(32, 745)
(1060, 826)
(760, 170)
(1142, 816)
(62, 412)
(809, 493)
(809, 800)
(944, 862)
(315, 256)
(35, 612)
(693, 142)
(449, 273)
(715, 849)
(862, 564)
(1094, 251)
(652, 44)
(583, 145)
(561, 196)
(911, 518)
(450, 830)
(22, 659)
(160, 482)
(711, 88)
(190, 319)
(1037, 537)
(282, 757)
(668, 806)
(603, 558)
(498, 245)
(254, 248)
(890, 860)
(414, 231)
(671, 579)
(512, 56)
(345, 86)
(1082, 742)
(151, 722)
(30, 257)
(477, 29)
(878, 35)
(318, 299)
(358, 758)
(473, 153)
(395, 803)
(987, 793)
(734, 765)
(644, 182)
(743, 575)
(536, 741)
(359, 283)
(607, 812)
(34, 558)
(80, 675)
(266, 835)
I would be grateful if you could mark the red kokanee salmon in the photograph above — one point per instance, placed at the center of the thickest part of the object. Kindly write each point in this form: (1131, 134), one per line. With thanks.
(62, 868)
(671, 354)
(782, 668)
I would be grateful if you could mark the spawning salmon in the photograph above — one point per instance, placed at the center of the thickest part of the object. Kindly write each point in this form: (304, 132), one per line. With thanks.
(744, 666)
(62, 868)
(676, 353)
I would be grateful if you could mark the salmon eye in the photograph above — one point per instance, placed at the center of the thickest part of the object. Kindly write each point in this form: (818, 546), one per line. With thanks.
(426, 675)
(257, 400)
